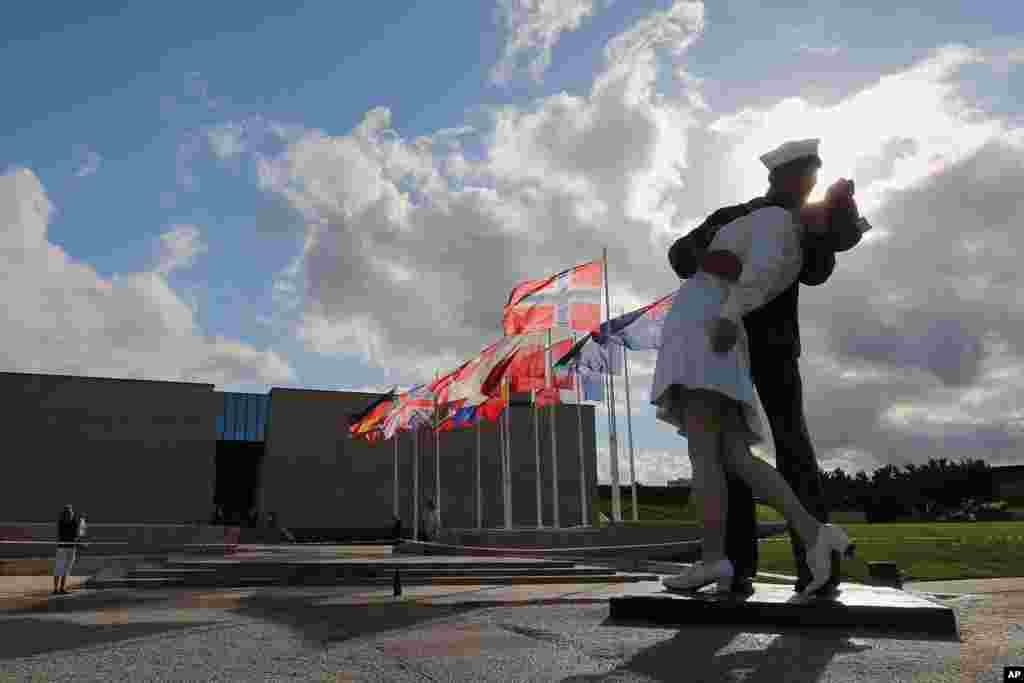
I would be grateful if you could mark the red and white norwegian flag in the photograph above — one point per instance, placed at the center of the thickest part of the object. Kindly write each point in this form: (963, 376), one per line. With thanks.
(571, 299)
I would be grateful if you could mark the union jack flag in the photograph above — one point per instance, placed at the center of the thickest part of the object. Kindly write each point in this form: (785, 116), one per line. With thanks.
(415, 409)
(571, 299)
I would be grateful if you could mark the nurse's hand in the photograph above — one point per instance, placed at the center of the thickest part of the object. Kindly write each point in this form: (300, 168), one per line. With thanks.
(724, 334)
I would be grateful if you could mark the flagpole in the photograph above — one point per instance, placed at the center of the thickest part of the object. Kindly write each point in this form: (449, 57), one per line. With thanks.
(583, 472)
(607, 410)
(556, 517)
(396, 475)
(508, 450)
(505, 468)
(437, 459)
(629, 431)
(479, 492)
(415, 485)
(613, 445)
(536, 452)
(504, 494)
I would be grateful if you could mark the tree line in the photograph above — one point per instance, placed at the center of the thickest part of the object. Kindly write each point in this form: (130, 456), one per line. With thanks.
(938, 489)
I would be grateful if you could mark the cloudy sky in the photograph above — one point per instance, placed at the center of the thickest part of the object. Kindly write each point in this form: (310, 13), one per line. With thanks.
(342, 199)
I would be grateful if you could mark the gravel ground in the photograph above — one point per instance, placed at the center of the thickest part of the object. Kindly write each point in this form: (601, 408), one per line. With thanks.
(304, 634)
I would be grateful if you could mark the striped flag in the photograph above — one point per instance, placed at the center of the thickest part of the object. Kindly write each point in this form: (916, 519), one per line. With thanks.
(571, 299)
(373, 416)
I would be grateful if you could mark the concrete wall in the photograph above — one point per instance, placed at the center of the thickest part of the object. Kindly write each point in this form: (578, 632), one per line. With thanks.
(119, 450)
(315, 476)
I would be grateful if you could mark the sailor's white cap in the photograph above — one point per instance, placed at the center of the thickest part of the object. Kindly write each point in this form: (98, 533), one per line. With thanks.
(790, 151)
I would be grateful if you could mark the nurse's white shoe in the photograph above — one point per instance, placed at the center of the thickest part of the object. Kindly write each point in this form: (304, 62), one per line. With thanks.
(819, 558)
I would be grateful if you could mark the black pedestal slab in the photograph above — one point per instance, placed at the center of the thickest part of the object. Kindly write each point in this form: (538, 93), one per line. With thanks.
(873, 608)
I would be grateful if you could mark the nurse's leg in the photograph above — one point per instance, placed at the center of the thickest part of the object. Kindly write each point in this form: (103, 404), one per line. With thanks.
(704, 436)
(763, 479)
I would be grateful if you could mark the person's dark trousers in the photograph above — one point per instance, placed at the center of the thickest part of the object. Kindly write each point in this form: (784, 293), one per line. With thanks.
(778, 384)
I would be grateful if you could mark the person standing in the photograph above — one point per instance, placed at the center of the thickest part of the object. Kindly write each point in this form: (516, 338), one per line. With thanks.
(67, 543)
(774, 343)
(431, 521)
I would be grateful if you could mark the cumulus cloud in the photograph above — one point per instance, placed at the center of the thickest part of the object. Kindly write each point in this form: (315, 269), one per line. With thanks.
(534, 27)
(411, 247)
(179, 248)
(64, 318)
(652, 467)
(673, 30)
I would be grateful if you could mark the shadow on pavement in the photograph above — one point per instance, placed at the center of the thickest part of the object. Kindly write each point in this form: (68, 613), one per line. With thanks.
(76, 602)
(325, 624)
(793, 657)
(26, 637)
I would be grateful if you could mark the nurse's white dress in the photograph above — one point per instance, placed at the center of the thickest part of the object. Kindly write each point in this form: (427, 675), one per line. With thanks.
(767, 242)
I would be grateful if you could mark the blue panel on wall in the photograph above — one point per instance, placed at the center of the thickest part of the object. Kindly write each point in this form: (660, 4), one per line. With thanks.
(243, 417)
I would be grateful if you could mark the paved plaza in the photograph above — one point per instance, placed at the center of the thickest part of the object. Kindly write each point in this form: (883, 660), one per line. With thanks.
(468, 633)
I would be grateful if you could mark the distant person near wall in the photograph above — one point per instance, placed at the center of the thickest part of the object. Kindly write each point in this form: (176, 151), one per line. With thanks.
(284, 534)
(68, 526)
(396, 528)
(431, 521)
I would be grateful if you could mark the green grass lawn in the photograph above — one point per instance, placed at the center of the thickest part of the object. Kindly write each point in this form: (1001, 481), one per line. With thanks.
(923, 551)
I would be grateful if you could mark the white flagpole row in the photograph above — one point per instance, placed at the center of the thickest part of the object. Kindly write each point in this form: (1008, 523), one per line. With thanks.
(583, 473)
(629, 431)
(415, 485)
(536, 450)
(479, 491)
(396, 477)
(437, 458)
(612, 436)
(508, 461)
(556, 520)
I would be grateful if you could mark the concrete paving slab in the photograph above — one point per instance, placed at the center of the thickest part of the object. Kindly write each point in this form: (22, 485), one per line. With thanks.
(858, 607)
(967, 586)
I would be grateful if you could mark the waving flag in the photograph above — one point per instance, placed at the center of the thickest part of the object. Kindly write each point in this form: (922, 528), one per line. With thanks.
(593, 387)
(474, 382)
(439, 387)
(547, 396)
(459, 419)
(638, 330)
(571, 298)
(414, 409)
(590, 357)
(492, 408)
(372, 416)
(525, 369)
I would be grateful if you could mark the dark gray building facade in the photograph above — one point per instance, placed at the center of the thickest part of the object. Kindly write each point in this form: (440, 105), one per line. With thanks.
(170, 452)
(119, 450)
